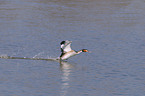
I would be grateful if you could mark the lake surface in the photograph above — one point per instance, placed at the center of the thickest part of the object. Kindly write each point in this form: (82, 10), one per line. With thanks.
(113, 30)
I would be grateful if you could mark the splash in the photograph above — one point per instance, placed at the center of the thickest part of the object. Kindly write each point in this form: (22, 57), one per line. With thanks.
(5, 56)
(44, 55)
(38, 55)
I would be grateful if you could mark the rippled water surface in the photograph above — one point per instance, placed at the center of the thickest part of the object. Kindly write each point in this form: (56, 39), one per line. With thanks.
(113, 30)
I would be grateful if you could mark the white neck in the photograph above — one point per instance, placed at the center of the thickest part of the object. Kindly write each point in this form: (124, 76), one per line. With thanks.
(78, 52)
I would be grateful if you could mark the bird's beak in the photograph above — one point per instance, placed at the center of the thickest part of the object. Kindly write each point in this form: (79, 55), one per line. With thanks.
(88, 51)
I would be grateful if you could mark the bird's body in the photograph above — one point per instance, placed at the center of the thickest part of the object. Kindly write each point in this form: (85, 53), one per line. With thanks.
(68, 54)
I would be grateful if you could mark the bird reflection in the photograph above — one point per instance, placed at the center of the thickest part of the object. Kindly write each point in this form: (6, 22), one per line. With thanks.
(66, 68)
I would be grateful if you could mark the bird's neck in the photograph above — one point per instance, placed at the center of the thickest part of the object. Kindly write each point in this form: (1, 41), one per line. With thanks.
(78, 52)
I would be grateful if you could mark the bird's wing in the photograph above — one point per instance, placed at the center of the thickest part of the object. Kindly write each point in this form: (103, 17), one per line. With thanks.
(66, 47)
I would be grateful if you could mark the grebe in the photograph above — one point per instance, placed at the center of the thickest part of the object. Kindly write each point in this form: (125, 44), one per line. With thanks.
(67, 52)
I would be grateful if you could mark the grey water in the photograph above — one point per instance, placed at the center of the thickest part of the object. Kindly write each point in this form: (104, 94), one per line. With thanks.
(113, 30)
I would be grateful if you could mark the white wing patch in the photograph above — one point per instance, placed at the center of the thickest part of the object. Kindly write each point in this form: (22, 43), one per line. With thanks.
(66, 47)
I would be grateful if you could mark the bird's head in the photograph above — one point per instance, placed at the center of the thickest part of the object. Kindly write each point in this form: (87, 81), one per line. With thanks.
(85, 50)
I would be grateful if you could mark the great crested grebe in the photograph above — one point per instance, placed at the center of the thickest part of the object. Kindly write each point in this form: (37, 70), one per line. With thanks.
(67, 52)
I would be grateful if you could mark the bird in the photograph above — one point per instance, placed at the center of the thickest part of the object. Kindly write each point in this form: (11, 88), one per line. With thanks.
(67, 52)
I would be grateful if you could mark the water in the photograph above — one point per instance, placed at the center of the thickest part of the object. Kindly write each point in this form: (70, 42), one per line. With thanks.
(113, 30)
